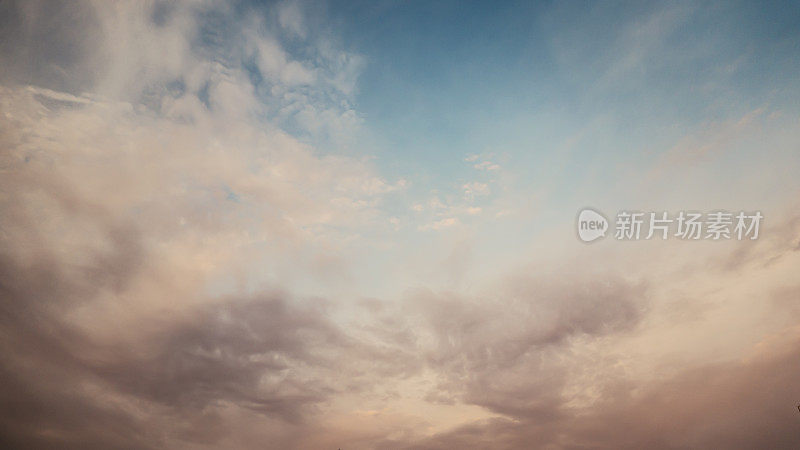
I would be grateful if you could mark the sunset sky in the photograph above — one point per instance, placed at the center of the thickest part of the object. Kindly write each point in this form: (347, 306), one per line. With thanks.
(352, 225)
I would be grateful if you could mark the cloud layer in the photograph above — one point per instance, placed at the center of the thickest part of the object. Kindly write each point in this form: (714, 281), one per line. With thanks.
(196, 251)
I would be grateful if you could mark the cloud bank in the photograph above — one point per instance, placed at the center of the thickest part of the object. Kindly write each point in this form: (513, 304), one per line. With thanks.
(188, 233)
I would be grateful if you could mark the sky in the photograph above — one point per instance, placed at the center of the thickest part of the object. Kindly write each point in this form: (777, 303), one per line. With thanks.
(353, 224)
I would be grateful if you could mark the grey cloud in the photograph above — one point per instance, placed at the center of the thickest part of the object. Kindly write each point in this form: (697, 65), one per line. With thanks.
(65, 389)
(44, 408)
(41, 400)
(62, 387)
(539, 312)
(278, 358)
(229, 351)
(499, 352)
(48, 44)
(737, 405)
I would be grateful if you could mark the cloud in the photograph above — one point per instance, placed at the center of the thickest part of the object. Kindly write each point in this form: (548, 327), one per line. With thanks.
(186, 376)
(291, 18)
(447, 222)
(738, 404)
(130, 199)
(487, 165)
(495, 352)
(475, 188)
(184, 255)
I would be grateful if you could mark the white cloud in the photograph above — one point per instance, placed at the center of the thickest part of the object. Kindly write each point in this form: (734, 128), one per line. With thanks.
(441, 224)
(482, 161)
(291, 18)
(487, 165)
(475, 188)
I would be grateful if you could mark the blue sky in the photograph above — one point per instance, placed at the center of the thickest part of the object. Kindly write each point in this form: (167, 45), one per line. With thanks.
(447, 79)
(581, 87)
